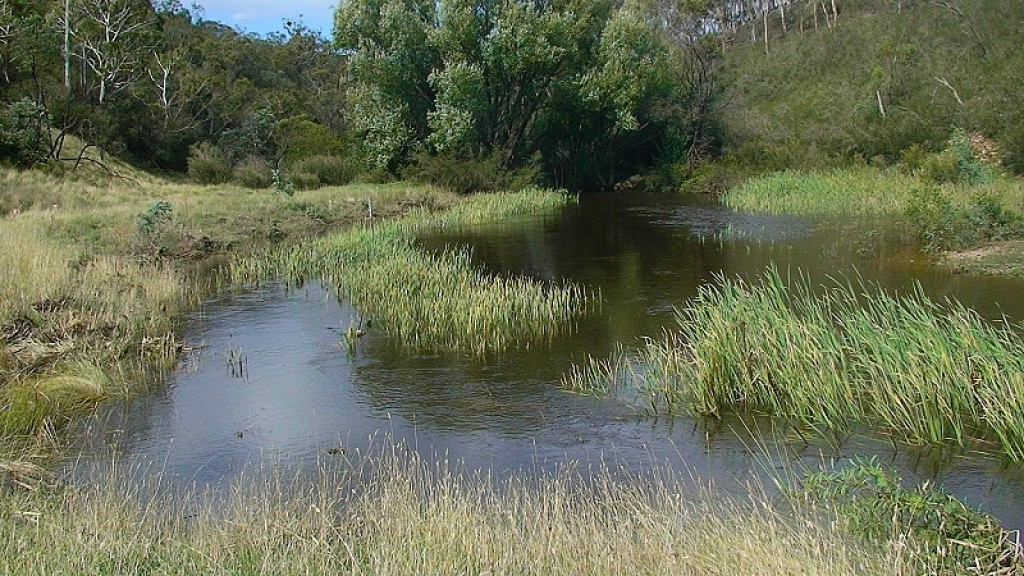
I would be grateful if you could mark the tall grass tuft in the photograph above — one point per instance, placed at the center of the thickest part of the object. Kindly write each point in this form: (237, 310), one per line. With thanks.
(849, 353)
(434, 301)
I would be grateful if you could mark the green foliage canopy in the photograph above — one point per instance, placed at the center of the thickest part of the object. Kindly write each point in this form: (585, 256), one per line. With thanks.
(475, 78)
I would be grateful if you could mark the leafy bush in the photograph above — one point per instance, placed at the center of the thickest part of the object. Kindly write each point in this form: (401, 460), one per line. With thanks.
(957, 164)
(328, 170)
(282, 183)
(302, 138)
(253, 172)
(465, 176)
(943, 224)
(945, 536)
(207, 164)
(993, 221)
(24, 127)
(940, 168)
(970, 169)
(159, 214)
(304, 180)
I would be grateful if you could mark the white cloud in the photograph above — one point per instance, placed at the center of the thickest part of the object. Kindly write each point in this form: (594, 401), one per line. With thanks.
(264, 16)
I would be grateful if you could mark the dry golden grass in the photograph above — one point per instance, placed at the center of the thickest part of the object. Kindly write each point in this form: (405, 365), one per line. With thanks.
(407, 516)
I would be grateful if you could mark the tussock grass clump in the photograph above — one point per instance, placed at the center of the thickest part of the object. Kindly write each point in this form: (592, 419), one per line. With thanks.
(434, 301)
(850, 353)
(408, 516)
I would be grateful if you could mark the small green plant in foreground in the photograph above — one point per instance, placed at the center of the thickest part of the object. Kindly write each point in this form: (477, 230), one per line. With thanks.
(434, 301)
(155, 216)
(829, 358)
(940, 534)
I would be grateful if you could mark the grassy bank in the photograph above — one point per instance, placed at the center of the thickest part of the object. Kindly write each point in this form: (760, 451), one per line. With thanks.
(882, 79)
(846, 354)
(407, 516)
(97, 271)
(974, 227)
(434, 301)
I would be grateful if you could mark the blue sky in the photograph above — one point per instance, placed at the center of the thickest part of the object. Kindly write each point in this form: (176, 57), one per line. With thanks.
(263, 16)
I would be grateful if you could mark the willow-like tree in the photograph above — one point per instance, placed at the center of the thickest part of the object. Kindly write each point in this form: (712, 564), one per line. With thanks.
(520, 79)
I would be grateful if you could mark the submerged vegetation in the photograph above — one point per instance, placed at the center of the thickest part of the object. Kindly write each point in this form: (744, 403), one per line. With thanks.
(434, 301)
(832, 357)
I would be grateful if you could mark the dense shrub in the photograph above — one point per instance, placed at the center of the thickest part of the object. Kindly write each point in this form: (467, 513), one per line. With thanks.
(940, 168)
(253, 172)
(24, 127)
(207, 164)
(468, 175)
(944, 224)
(304, 180)
(301, 138)
(328, 170)
(959, 163)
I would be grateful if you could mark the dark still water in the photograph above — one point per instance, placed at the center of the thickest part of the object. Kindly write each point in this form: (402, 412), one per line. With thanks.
(270, 380)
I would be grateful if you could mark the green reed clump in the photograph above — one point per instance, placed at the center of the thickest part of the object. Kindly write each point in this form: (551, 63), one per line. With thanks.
(434, 301)
(850, 192)
(849, 353)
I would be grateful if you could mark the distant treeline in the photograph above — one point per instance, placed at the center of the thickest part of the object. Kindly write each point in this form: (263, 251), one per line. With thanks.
(478, 94)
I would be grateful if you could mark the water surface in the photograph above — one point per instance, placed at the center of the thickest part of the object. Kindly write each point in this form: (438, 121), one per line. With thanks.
(292, 392)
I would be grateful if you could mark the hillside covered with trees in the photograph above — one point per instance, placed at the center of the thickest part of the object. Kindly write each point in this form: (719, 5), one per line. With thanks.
(584, 94)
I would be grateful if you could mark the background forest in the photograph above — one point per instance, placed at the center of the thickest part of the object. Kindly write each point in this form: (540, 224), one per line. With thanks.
(485, 94)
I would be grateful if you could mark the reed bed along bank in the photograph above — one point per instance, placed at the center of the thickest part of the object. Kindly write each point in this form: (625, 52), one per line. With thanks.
(840, 192)
(828, 358)
(976, 227)
(863, 192)
(434, 301)
(402, 515)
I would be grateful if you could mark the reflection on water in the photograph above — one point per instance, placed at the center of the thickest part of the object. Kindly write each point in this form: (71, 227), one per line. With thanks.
(303, 396)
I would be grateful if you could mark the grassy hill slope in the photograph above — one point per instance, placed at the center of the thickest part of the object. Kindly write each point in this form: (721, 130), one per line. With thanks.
(889, 75)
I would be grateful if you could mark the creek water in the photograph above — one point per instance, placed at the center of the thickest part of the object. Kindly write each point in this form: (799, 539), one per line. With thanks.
(268, 378)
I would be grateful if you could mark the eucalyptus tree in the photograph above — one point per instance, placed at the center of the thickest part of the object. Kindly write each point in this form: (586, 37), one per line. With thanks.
(113, 39)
